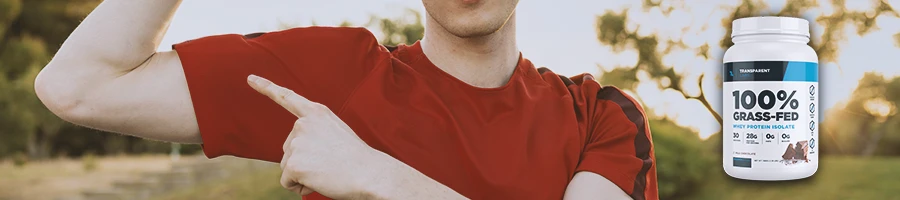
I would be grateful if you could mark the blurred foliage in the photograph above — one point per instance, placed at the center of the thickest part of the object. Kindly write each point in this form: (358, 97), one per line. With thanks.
(859, 133)
(683, 163)
(861, 126)
(838, 178)
(897, 39)
(30, 32)
(613, 32)
(89, 161)
(255, 184)
(403, 30)
(20, 159)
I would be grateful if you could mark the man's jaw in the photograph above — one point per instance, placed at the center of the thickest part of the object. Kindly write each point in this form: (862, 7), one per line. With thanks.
(471, 2)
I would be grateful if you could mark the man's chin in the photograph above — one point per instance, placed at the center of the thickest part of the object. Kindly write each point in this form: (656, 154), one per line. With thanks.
(474, 32)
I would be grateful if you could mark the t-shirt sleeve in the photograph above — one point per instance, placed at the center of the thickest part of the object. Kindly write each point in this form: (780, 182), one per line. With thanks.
(617, 144)
(323, 64)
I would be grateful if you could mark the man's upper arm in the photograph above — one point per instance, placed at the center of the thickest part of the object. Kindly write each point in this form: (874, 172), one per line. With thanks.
(589, 185)
(152, 101)
(200, 88)
(617, 142)
(322, 64)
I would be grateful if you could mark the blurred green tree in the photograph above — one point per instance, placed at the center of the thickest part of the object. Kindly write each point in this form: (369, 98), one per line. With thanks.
(866, 118)
(897, 39)
(614, 32)
(405, 29)
(682, 165)
(30, 31)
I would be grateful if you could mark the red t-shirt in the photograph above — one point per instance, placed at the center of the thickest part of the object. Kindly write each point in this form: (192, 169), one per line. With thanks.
(524, 140)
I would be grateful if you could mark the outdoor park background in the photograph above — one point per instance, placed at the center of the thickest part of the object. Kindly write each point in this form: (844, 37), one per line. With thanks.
(665, 53)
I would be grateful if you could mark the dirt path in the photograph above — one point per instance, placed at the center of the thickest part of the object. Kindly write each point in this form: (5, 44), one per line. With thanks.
(66, 178)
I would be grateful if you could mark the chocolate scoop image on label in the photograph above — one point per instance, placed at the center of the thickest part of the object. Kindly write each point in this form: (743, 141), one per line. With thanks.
(796, 153)
(801, 150)
(789, 152)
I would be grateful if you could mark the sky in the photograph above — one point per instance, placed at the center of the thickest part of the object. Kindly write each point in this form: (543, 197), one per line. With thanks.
(561, 36)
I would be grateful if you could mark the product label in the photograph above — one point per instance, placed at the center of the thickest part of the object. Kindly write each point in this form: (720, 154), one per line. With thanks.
(771, 113)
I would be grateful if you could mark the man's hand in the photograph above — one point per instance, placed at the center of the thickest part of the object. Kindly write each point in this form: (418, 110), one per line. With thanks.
(321, 153)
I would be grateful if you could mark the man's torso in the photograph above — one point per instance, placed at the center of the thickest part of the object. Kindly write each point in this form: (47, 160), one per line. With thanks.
(520, 137)
(523, 140)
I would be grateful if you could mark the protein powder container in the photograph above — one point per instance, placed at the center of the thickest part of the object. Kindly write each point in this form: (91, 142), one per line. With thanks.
(769, 100)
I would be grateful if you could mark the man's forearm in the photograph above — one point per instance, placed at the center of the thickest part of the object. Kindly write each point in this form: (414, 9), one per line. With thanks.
(589, 185)
(405, 182)
(116, 37)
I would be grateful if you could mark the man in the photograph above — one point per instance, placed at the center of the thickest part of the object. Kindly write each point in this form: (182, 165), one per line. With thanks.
(460, 114)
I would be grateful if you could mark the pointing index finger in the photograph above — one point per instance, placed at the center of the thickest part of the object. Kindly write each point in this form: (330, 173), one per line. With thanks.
(283, 96)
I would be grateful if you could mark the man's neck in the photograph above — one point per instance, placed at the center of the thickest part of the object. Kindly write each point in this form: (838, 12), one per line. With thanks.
(486, 61)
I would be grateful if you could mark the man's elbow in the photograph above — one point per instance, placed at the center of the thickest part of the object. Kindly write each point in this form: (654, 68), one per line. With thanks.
(60, 94)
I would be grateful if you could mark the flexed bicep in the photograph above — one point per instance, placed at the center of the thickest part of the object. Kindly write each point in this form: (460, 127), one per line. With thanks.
(108, 75)
(151, 101)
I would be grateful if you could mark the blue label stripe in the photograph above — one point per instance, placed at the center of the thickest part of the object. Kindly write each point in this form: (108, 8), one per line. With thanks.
(771, 71)
(801, 71)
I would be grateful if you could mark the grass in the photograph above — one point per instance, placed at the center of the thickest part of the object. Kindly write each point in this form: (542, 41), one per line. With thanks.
(837, 178)
(261, 184)
(59, 178)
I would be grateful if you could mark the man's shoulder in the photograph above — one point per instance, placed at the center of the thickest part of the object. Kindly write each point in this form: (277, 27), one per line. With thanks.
(585, 84)
(319, 43)
(304, 39)
(316, 31)
(314, 35)
(586, 91)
